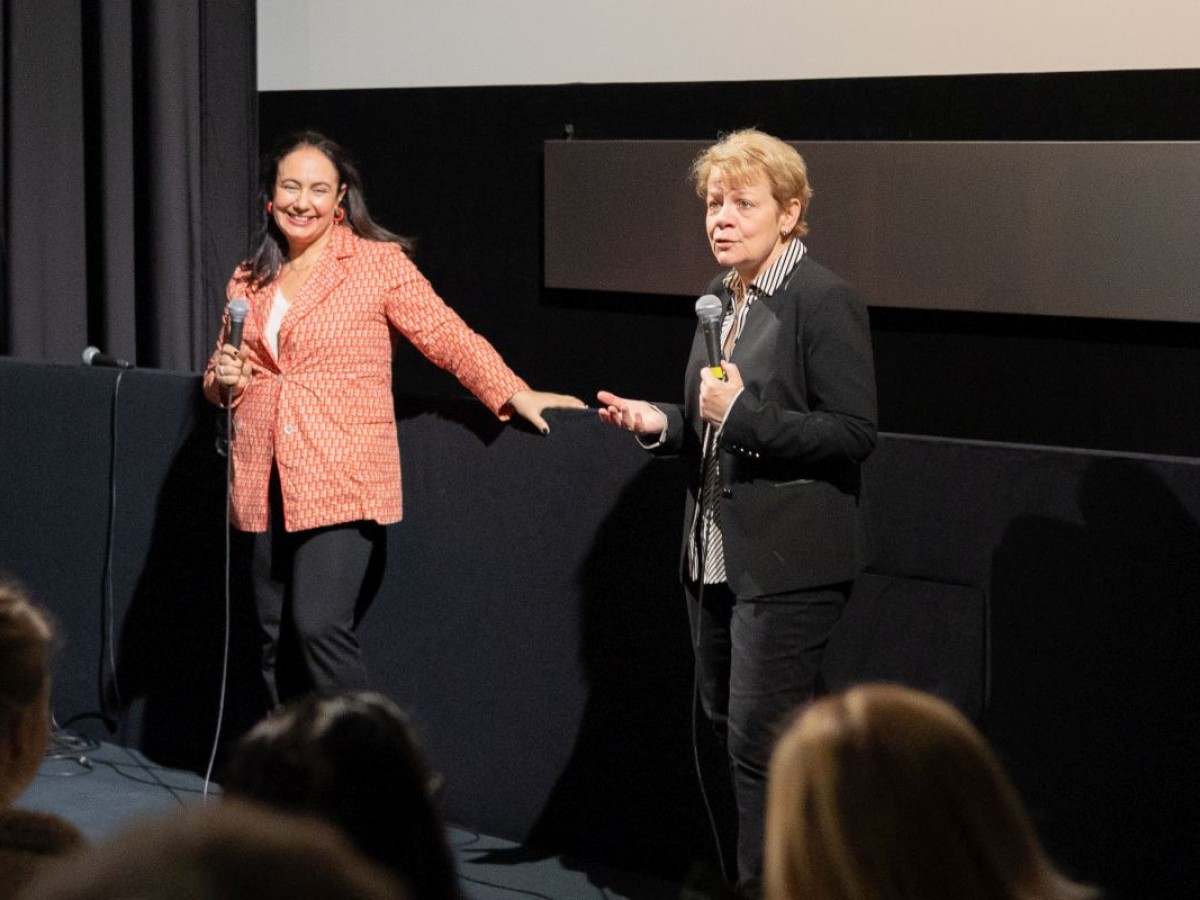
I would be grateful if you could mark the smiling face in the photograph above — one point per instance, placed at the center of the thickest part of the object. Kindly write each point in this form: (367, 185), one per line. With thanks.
(746, 224)
(307, 192)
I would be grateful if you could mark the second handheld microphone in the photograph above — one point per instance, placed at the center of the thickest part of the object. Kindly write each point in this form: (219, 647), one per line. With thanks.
(709, 310)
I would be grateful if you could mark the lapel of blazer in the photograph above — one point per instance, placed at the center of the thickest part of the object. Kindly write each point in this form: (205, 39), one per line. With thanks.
(260, 300)
(754, 351)
(758, 345)
(327, 274)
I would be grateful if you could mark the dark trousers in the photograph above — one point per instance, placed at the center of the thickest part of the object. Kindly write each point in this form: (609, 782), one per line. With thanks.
(310, 589)
(757, 660)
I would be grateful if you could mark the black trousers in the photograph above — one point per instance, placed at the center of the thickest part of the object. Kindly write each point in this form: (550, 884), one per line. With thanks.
(757, 660)
(310, 590)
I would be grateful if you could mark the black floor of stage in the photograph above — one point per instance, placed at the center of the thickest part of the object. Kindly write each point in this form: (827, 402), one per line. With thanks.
(104, 789)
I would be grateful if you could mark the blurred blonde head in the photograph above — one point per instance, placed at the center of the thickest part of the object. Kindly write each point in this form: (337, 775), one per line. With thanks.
(886, 793)
(25, 644)
(744, 155)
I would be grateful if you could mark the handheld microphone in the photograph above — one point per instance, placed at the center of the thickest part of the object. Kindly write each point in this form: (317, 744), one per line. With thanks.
(238, 309)
(94, 356)
(709, 310)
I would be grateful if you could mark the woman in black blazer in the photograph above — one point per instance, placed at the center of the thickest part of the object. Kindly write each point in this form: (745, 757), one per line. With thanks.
(773, 537)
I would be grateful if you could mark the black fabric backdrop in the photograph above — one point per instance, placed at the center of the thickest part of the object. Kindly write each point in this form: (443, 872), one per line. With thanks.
(128, 147)
(531, 620)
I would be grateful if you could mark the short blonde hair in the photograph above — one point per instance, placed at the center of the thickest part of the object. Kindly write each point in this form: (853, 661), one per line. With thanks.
(883, 792)
(743, 155)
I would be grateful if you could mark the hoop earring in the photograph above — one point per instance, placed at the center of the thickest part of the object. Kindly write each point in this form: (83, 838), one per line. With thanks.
(270, 207)
(339, 215)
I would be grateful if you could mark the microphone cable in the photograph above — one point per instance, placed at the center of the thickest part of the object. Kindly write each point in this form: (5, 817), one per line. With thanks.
(112, 719)
(701, 551)
(236, 313)
(223, 690)
(712, 819)
(66, 743)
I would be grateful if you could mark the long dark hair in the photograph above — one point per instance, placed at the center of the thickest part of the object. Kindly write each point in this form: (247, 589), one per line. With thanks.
(352, 759)
(270, 246)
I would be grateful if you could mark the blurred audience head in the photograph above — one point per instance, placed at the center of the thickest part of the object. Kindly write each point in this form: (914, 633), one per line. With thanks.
(886, 793)
(353, 760)
(228, 851)
(26, 636)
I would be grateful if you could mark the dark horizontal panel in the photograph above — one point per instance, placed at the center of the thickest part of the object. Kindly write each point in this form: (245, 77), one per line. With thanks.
(1093, 229)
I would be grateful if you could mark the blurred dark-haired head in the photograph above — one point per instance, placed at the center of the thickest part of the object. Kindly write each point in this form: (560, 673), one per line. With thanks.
(354, 760)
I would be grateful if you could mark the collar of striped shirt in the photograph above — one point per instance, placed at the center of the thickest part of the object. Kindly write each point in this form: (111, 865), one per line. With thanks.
(768, 282)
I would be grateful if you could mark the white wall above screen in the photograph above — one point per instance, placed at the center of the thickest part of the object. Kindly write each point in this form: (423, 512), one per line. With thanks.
(325, 44)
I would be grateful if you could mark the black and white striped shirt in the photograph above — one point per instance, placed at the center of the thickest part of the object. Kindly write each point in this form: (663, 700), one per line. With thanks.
(707, 542)
(764, 285)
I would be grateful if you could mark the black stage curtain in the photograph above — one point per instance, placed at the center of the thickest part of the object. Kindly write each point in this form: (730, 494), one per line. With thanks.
(128, 146)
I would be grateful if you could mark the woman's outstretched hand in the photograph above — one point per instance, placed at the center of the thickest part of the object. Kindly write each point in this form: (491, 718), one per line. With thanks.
(637, 416)
(529, 405)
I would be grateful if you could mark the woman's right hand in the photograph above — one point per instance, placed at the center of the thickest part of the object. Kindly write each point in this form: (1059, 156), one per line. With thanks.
(232, 370)
(637, 416)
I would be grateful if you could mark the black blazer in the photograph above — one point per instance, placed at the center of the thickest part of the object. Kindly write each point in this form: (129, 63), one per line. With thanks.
(792, 444)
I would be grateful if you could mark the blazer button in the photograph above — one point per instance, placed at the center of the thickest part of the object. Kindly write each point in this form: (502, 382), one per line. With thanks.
(289, 429)
(726, 492)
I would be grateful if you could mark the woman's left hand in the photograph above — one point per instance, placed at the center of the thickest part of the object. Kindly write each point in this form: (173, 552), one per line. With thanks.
(530, 404)
(716, 396)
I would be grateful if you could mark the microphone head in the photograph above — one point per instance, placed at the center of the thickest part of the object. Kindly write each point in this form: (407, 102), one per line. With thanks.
(709, 308)
(238, 309)
(94, 356)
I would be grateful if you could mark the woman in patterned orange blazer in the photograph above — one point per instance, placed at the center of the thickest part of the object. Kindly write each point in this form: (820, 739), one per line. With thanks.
(316, 463)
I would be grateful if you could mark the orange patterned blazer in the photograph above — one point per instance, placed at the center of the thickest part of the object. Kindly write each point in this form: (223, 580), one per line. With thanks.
(323, 410)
